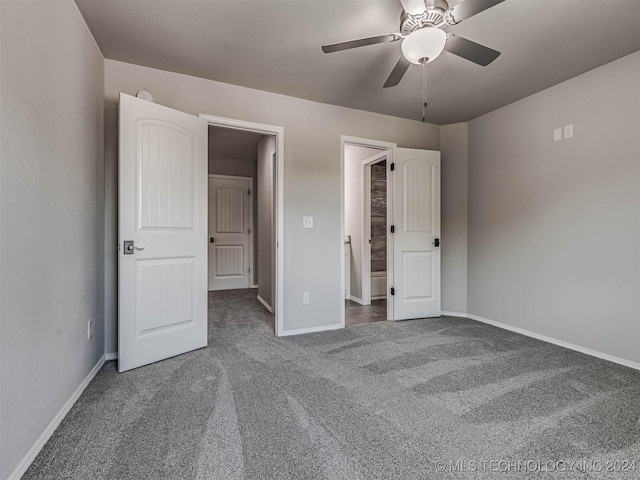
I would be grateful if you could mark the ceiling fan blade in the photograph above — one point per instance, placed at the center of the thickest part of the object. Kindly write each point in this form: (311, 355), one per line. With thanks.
(413, 7)
(469, 8)
(471, 51)
(361, 42)
(398, 72)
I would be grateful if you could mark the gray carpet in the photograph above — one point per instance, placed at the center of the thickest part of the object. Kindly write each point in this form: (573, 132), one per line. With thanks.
(424, 399)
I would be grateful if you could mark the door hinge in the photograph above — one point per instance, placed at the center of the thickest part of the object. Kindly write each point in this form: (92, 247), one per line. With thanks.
(436, 242)
(393, 166)
(249, 231)
(248, 192)
(393, 229)
(393, 291)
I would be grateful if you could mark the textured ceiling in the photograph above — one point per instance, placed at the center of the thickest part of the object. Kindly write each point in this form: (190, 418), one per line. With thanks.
(275, 46)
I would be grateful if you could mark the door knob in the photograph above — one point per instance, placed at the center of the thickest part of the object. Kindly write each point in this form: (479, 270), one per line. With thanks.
(129, 247)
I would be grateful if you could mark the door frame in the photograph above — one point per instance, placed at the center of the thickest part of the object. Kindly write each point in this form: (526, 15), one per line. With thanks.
(265, 129)
(388, 149)
(366, 223)
(251, 245)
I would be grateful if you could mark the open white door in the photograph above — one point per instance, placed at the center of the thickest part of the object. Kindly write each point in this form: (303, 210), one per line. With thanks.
(416, 237)
(162, 266)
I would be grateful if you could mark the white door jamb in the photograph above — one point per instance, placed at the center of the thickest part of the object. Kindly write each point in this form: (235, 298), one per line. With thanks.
(279, 220)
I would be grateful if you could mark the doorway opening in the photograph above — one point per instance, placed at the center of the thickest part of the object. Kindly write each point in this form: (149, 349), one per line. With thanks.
(366, 219)
(245, 212)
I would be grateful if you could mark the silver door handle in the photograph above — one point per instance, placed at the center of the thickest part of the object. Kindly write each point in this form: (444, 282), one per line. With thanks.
(129, 247)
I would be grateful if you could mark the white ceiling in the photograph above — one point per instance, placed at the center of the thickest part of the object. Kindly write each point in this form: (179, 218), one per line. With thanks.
(275, 46)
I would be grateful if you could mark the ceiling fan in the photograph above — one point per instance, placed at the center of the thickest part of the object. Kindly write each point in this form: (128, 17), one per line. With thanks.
(423, 36)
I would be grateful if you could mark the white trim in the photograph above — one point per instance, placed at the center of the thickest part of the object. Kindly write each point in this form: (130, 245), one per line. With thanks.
(279, 220)
(254, 286)
(356, 299)
(453, 314)
(544, 338)
(322, 328)
(230, 177)
(110, 356)
(377, 158)
(252, 256)
(264, 303)
(388, 149)
(379, 297)
(35, 449)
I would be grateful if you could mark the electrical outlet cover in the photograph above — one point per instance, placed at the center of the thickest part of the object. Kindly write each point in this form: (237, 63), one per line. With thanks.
(568, 131)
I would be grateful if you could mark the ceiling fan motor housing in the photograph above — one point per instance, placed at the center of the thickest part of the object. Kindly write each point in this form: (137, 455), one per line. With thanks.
(433, 16)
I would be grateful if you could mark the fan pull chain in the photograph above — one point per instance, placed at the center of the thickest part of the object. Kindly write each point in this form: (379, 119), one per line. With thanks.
(424, 91)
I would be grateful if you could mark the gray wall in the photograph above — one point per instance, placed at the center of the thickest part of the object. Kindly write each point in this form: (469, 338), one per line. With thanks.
(241, 167)
(266, 220)
(554, 226)
(51, 217)
(454, 191)
(354, 210)
(312, 171)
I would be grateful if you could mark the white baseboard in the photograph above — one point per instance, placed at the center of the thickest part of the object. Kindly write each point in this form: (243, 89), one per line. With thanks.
(265, 304)
(378, 297)
(110, 356)
(300, 331)
(33, 452)
(254, 286)
(356, 299)
(544, 338)
(453, 314)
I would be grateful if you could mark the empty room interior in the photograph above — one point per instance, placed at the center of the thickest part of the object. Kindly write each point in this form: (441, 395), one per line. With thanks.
(268, 239)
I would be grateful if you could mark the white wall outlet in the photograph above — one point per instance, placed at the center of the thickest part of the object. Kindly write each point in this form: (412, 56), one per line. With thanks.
(307, 222)
(89, 330)
(568, 131)
(305, 298)
(557, 135)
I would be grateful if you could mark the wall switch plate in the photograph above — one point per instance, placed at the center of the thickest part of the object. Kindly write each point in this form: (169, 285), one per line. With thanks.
(305, 298)
(89, 330)
(557, 135)
(307, 222)
(568, 131)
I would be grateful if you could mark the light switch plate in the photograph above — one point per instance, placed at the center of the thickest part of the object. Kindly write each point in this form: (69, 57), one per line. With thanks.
(568, 131)
(307, 222)
(557, 135)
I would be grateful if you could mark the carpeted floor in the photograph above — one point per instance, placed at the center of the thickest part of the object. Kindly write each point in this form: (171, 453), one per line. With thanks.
(423, 399)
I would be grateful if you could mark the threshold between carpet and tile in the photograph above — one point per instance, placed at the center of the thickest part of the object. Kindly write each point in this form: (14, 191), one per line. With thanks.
(418, 399)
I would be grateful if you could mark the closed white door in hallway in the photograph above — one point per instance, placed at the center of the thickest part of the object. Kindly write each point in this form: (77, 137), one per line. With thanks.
(230, 220)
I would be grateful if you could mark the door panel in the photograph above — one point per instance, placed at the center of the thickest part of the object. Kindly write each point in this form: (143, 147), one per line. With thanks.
(230, 229)
(416, 261)
(163, 210)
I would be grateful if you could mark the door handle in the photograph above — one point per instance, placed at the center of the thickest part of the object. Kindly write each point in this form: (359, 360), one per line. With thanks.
(129, 247)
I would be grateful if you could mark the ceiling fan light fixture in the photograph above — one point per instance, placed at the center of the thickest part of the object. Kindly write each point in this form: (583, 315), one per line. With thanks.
(424, 46)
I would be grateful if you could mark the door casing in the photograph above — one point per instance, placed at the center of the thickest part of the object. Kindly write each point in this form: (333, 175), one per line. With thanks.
(278, 132)
(386, 148)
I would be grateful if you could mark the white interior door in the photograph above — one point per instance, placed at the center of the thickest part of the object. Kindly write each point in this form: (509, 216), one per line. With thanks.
(416, 220)
(162, 276)
(229, 232)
